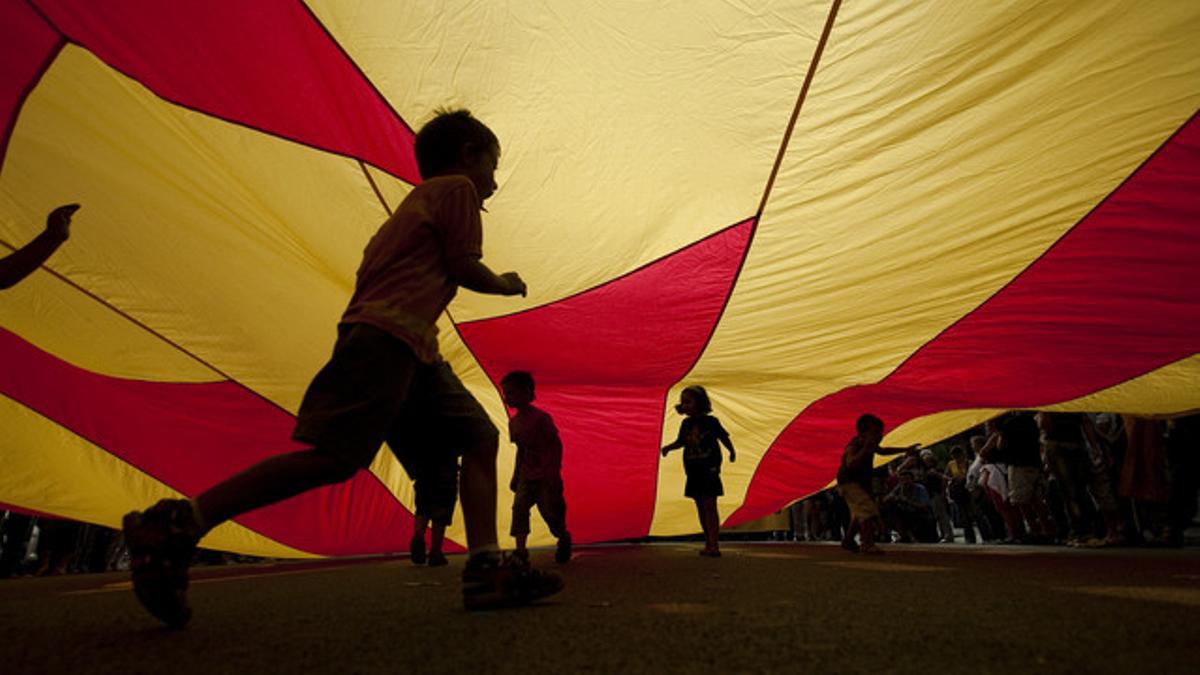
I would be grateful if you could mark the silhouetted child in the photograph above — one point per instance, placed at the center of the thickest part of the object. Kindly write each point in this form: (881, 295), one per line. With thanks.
(537, 471)
(435, 488)
(699, 435)
(23, 261)
(385, 366)
(854, 484)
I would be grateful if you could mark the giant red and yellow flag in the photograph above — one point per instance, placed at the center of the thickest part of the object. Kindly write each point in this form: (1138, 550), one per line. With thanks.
(928, 210)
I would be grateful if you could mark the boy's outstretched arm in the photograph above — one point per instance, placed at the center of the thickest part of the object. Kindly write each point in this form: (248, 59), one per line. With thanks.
(896, 451)
(22, 262)
(470, 273)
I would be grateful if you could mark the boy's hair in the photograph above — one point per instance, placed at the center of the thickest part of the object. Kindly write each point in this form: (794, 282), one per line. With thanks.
(866, 422)
(440, 141)
(703, 405)
(520, 378)
(957, 450)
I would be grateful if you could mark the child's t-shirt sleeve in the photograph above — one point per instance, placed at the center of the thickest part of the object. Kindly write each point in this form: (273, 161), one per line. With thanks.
(458, 225)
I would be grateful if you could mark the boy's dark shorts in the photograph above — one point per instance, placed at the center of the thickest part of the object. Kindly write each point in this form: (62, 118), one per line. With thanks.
(374, 389)
(547, 494)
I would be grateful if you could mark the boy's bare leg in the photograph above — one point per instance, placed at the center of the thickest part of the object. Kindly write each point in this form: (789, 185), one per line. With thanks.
(270, 481)
(477, 485)
(437, 534)
(521, 541)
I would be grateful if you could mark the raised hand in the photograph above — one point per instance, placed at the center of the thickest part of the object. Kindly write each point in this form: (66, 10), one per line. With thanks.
(58, 223)
(515, 284)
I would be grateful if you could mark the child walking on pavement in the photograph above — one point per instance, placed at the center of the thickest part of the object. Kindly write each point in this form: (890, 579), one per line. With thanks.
(699, 434)
(537, 473)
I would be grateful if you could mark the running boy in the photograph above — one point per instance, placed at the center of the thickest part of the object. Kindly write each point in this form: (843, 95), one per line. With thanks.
(384, 366)
(537, 473)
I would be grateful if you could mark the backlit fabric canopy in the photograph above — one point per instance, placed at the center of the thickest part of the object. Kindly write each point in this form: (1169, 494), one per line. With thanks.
(928, 210)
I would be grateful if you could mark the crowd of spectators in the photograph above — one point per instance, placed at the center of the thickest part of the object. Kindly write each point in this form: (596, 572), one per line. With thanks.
(1088, 480)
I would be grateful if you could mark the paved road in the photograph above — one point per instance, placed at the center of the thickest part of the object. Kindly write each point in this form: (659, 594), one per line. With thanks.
(648, 608)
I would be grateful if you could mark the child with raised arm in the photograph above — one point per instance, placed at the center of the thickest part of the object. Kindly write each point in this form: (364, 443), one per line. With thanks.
(385, 365)
(699, 434)
(854, 484)
(537, 472)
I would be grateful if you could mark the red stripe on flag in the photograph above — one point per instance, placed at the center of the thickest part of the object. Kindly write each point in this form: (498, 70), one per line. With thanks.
(267, 64)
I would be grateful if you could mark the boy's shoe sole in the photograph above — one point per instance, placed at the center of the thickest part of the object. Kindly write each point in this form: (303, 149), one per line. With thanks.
(161, 544)
(505, 582)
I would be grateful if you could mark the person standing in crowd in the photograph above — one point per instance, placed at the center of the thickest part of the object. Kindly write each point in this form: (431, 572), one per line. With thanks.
(935, 484)
(956, 488)
(1067, 459)
(1018, 445)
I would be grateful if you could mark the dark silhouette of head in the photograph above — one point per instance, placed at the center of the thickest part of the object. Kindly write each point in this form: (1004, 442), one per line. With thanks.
(449, 139)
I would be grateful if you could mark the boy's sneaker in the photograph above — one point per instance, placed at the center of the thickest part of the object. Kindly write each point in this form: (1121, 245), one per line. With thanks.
(437, 559)
(492, 581)
(416, 549)
(562, 553)
(161, 541)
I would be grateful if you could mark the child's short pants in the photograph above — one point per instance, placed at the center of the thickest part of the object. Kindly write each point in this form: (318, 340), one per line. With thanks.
(703, 482)
(862, 506)
(374, 389)
(547, 494)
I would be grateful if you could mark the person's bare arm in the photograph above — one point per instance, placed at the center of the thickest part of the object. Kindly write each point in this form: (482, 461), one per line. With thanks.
(470, 273)
(22, 262)
(725, 440)
(889, 450)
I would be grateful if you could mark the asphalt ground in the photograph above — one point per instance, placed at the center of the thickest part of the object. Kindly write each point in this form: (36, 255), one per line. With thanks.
(765, 607)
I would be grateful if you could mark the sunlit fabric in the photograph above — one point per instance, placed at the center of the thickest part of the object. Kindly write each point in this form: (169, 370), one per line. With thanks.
(926, 210)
